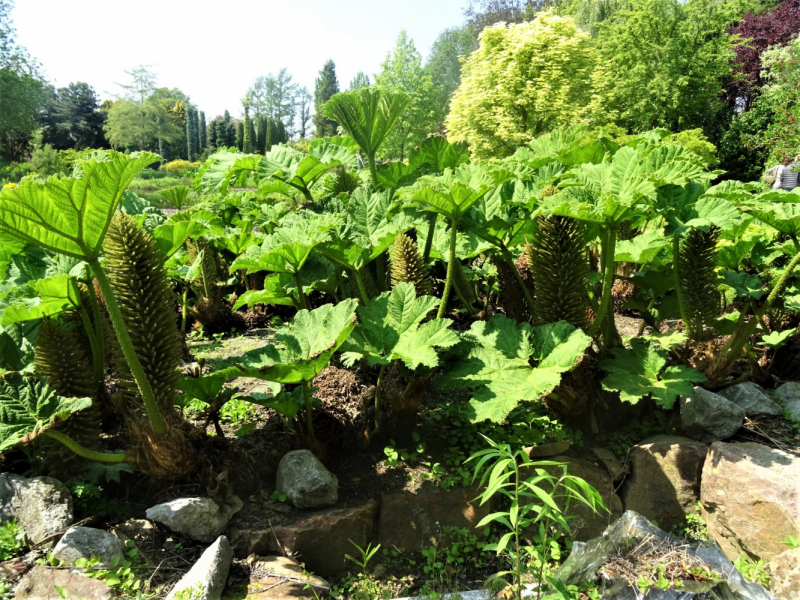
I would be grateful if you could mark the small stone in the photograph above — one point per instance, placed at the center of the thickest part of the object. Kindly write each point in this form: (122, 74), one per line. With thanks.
(305, 481)
(206, 579)
(610, 462)
(201, 519)
(548, 449)
(752, 399)
(708, 417)
(88, 543)
(42, 506)
(141, 532)
(665, 479)
(788, 396)
(785, 571)
(281, 578)
(40, 583)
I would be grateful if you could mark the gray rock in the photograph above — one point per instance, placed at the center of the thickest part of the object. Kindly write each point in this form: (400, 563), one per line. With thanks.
(785, 571)
(752, 399)
(548, 449)
(610, 462)
(88, 543)
(42, 506)
(708, 417)
(41, 581)
(201, 519)
(305, 481)
(206, 579)
(788, 396)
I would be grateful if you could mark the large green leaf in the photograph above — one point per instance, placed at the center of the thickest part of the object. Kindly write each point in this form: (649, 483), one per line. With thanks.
(390, 330)
(172, 235)
(641, 249)
(301, 350)
(640, 372)
(211, 176)
(54, 295)
(499, 364)
(71, 216)
(368, 114)
(29, 407)
(438, 154)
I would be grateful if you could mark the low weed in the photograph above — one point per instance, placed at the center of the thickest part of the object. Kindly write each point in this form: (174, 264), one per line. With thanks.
(12, 540)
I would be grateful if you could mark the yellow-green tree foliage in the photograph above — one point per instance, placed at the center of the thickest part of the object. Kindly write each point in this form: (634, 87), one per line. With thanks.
(523, 80)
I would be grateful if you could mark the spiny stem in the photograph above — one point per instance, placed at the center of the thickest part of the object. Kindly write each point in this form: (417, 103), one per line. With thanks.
(378, 402)
(300, 293)
(100, 338)
(509, 260)
(84, 452)
(157, 423)
(608, 281)
(97, 357)
(451, 270)
(426, 254)
(679, 288)
(372, 170)
(361, 287)
(184, 306)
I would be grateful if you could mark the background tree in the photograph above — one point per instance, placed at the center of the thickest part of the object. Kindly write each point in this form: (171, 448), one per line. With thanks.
(361, 80)
(304, 101)
(191, 134)
(142, 84)
(212, 134)
(326, 86)
(402, 72)
(449, 51)
(282, 135)
(249, 132)
(135, 126)
(522, 81)
(481, 14)
(71, 119)
(203, 132)
(261, 136)
(240, 136)
(228, 132)
(275, 97)
(664, 62)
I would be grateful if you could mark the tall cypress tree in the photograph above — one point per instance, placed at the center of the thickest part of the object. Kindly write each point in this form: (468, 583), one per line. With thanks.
(226, 135)
(212, 135)
(249, 142)
(272, 133)
(327, 86)
(191, 133)
(261, 135)
(282, 137)
(240, 136)
(203, 132)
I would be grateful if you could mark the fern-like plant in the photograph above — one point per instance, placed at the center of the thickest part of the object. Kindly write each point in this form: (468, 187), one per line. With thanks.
(177, 196)
(408, 266)
(696, 279)
(558, 264)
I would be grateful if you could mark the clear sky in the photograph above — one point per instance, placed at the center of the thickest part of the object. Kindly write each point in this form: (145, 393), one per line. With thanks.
(214, 49)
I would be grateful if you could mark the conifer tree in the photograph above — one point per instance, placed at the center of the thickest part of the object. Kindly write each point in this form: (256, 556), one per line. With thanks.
(240, 136)
(191, 133)
(273, 133)
(261, 136)
(281, 135)
(203, 133)
(212, 135)
(327, 85)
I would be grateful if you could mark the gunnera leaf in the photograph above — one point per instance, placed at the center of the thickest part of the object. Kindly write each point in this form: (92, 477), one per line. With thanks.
(61, 358)
(558, 264)
(408, 266)
(139, 282)
(697, 261)
(29, 407)
(640, 372)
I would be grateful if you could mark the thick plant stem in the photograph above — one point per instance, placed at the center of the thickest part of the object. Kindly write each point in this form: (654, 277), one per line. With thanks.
(97, 357)
(426, 254)
(509, 260)
(733, 348)
(362, 289)
(377, 427)
(184, 306)
(608, 282)
(157, 423)
(678, 288)
(300, 293)
(451, 269)
(380, 268)
(84, 452)
(100, 338)
(309, 417)
(372, 170)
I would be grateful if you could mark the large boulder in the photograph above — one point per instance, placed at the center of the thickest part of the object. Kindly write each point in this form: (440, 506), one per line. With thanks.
(201, 519)
(415, 521)
(785, 572)
(708, 417)
(752, 399)
(788, 396)
(664, 484)
(206, 579)
(751, 498)
(42, 506)
(41, 582)
(585, 523)
(305, 480)
(319, 539)
(88, 543)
